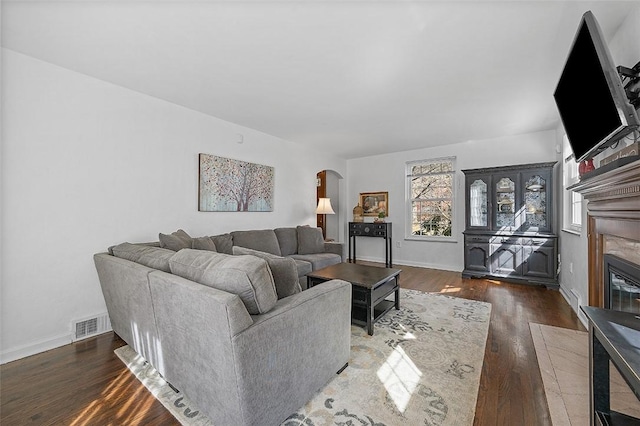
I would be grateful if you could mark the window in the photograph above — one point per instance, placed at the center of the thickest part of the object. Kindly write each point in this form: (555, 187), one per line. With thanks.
(430, 195)
(572, 201)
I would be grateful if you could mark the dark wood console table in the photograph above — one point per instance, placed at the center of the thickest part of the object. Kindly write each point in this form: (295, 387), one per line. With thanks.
(379, 230)
(613, 336)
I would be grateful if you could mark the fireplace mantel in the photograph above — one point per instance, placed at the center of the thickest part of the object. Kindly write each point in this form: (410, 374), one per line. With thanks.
(613, 213)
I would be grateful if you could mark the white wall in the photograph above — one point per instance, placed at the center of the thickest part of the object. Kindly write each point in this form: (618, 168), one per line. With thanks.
(625, 50)
(87, 164)
(387, 173)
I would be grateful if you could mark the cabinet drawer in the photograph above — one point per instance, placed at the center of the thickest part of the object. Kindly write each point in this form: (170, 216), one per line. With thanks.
(505, 240)
(368, 229)
(476, 239)
(384, 290)
(359, 294)
(538, 242)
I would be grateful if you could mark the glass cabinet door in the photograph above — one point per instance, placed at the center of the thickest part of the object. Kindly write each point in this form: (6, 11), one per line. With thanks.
(478, 204)
(505, 203)
(535, 205)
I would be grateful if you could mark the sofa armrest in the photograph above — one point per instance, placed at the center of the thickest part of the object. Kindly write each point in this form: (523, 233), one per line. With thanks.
(306, 339)
(196, 325)
(334, 247)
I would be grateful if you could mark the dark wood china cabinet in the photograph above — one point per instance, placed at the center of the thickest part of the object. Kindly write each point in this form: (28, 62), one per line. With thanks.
(510, 221)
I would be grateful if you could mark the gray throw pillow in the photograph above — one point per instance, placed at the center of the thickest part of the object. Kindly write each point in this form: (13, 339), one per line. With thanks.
(310, 240)
(175, 241)
(247, 276)
(288, 240)
(153, 257)
(223, 242)
(283, 269)
(203, 243)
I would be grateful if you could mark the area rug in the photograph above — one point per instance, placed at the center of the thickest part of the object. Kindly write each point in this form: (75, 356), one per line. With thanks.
(422, 367)
(563, 359)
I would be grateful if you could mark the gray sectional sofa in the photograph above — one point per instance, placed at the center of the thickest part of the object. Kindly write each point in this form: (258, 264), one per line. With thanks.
(304, 244)
(235, 333)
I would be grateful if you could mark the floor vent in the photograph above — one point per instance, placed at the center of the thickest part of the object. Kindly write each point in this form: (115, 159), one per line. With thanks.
(89, 327)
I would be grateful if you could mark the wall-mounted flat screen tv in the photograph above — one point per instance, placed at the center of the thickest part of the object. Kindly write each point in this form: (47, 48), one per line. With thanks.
(593, 106)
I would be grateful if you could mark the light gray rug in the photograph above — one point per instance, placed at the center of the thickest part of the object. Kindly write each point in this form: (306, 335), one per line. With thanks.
(421, 367)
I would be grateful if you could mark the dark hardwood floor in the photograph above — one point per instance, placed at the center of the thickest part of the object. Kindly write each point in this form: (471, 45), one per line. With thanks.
(86, 384)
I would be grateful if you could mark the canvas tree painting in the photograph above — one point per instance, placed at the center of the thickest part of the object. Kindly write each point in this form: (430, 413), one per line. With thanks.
(233, 185)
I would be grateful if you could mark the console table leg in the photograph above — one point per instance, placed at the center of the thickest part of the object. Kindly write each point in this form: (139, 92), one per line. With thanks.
(370, 314)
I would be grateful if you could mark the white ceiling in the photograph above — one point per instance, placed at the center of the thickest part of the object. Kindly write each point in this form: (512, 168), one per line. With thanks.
(354, 77)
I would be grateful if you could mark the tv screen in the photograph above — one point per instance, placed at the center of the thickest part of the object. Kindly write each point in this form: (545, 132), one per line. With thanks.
(593, 106)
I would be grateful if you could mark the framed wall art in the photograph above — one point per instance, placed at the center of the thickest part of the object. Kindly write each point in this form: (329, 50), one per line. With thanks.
(374, 203)
(227, 185)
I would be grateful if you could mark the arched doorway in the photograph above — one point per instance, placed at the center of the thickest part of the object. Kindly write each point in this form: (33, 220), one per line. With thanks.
(328, 186)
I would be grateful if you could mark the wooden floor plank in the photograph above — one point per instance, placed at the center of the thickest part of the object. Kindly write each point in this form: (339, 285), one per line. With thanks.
(85, 383)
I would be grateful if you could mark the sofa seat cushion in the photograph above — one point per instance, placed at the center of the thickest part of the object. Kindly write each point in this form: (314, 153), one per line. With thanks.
(262, 240)
(152, 257)
(303, 266)
(319, 260)
(283, 269)
(247, 276)
(310, 240)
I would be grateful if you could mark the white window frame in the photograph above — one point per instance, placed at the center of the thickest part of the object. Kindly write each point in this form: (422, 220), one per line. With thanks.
(409, 200)
(572, 202)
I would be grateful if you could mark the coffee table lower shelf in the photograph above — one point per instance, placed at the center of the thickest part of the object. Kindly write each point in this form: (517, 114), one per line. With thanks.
(359, 312)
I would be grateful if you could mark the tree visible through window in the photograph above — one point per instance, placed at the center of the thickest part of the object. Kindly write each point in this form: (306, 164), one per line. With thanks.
(430, 193)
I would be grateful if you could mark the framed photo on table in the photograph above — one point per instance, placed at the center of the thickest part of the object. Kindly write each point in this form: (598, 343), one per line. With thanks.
(374, 203)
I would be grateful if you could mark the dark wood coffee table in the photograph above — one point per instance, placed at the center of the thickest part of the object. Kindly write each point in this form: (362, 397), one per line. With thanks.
(370, 286)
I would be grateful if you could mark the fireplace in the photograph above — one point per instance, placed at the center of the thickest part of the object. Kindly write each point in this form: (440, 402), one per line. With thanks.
(613, 228)
(621, 284)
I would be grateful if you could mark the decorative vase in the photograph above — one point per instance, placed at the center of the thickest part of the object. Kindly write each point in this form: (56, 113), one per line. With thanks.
(357, 213)
(589, 165)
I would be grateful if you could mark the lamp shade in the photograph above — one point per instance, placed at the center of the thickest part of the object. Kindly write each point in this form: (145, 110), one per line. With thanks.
(324, 206)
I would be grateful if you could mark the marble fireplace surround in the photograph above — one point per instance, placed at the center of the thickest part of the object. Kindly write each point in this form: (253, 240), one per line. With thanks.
(613, 213)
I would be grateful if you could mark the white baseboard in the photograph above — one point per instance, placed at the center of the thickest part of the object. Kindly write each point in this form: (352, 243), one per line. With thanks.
(409, 263)
(34, 348)
(576, 309)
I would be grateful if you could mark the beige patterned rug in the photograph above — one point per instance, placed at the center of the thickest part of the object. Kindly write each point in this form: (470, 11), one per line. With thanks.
(421, 367)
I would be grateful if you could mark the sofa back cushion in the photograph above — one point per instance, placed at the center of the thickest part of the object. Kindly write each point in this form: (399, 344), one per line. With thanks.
(175, 241)
(288, 240)
(310, 240)
(261, 240)
(248, 277)
(153, 257)
(283, 269)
